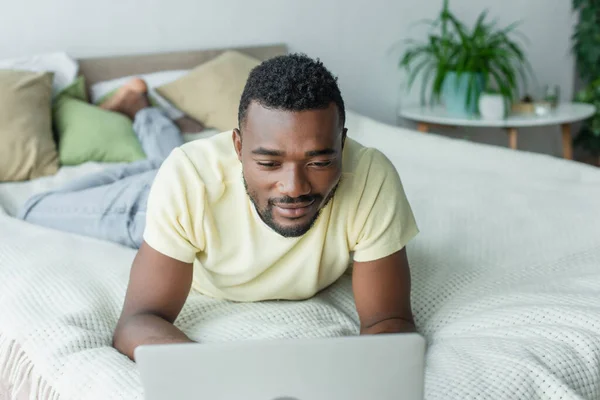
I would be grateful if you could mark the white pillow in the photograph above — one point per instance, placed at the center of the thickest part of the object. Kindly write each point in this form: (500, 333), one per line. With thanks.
(101, 89)
(64, 67)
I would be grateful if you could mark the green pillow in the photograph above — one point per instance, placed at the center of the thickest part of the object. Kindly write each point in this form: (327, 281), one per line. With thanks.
(89, 133)
(76, 89)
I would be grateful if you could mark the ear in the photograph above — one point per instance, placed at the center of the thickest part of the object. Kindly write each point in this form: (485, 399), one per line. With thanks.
(236, 136)
(344, 133)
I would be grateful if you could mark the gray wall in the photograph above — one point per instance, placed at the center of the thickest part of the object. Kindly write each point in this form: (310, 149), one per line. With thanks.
(354, 38)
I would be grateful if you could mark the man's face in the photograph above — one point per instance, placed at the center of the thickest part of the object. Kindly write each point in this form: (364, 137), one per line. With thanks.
(291, 163)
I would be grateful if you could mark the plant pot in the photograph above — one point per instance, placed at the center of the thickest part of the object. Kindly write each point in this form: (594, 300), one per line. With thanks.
(492, 106)
(455, 93)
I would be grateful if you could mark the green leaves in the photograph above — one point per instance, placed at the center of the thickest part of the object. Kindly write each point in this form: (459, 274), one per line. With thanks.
(586, 38)
(587, 140)
(586, 48)
(485, 50)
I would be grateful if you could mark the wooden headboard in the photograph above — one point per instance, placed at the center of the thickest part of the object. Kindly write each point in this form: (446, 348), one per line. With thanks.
(106, 68)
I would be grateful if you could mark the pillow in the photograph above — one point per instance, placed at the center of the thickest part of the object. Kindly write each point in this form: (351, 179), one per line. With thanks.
(89, 133)
(63, 67)
(107, 96)
(76, 90)
(101, 90)
(27, 149)
(211, 92)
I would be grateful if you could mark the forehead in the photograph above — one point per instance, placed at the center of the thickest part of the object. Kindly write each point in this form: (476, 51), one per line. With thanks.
(292, 130)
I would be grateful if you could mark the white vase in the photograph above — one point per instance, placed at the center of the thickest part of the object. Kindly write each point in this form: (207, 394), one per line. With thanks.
(492, 106)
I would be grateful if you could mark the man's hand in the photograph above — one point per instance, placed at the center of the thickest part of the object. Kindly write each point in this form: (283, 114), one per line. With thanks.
(382, 295)
(158, 288)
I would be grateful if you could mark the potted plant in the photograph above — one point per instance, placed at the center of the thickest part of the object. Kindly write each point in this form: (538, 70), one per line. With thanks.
(586, 47)
(458, 63)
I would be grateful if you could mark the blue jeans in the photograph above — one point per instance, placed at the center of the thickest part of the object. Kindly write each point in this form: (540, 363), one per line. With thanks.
(110, 205)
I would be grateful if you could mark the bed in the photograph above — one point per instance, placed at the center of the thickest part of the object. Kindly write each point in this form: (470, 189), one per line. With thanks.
(506, 275)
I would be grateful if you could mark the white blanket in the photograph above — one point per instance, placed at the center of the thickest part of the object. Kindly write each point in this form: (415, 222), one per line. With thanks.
(506, 284)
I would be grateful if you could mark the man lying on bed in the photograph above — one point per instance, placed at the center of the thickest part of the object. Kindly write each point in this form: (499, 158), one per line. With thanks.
(272, 210)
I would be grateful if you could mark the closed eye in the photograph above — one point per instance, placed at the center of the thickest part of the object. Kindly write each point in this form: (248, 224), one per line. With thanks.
(267, 164)
(321, 164)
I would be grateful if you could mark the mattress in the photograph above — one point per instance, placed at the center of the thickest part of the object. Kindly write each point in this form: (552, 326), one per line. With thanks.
(505, 271)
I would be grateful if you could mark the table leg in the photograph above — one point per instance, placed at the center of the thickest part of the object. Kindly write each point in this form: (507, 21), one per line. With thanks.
(423, 127)
(512, 138)
(567, 141)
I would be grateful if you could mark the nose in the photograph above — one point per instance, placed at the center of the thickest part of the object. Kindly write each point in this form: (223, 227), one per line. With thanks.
(294, 182)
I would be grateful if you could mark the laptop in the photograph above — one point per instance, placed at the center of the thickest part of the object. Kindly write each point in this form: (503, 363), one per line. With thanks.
(377, 367)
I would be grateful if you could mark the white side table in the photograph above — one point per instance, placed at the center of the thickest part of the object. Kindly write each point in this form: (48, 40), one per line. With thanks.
(564, 115)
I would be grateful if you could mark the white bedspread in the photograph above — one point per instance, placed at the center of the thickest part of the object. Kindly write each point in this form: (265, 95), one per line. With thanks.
(506, 279)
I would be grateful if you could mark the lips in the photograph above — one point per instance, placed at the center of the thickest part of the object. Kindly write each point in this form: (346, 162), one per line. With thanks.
(293, 210)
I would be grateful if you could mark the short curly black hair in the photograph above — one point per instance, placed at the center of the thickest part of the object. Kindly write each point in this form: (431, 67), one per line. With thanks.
(292, 82)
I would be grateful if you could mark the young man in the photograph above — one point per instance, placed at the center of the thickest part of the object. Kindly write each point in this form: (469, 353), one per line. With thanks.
(276, 209)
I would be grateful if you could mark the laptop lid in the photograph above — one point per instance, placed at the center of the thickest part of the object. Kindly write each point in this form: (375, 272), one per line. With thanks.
(378, 367)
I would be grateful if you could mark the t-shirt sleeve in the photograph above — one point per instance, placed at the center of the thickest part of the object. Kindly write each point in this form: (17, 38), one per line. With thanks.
(383, 222)
(175, 209)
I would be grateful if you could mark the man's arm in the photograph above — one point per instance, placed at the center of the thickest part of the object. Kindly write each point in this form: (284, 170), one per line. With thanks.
(158, 288)
(382, 295)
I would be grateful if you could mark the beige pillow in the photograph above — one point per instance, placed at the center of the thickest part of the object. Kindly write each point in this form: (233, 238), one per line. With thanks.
(27, 149)
(211, 92)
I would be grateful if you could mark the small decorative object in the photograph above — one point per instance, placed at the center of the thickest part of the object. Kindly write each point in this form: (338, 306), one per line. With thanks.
(542, 108)
(525, 106)
(468, 59)
(492, 105)
(552, 95)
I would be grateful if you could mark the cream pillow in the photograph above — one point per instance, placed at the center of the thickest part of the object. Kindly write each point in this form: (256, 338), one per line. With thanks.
(211, 92)
(27, 147)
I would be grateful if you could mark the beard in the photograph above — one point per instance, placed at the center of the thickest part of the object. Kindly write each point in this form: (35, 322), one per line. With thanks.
(266, 214)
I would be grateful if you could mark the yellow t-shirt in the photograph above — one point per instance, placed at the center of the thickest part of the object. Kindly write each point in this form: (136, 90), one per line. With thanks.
(199, 212)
